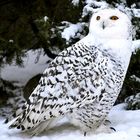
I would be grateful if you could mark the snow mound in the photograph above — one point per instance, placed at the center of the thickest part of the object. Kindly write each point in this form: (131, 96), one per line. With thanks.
(126, 123)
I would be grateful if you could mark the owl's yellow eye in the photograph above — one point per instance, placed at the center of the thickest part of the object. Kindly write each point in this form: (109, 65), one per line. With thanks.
(114, 18)
(98, 18)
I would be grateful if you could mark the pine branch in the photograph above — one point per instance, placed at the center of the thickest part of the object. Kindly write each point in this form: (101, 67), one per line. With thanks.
(41, 39)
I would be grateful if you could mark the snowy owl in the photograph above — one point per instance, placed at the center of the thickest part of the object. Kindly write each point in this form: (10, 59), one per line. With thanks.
(83, 81)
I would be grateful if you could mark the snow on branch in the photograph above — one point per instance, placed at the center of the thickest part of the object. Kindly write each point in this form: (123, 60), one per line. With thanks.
(136, 46)
(75, 2)
(72, 31)
(134, 77)
(93, 6)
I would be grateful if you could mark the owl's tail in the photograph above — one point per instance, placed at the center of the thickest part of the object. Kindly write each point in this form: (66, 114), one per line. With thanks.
(26, 118)
(14, 115)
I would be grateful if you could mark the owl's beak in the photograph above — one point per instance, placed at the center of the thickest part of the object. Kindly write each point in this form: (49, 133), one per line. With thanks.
(103, 25)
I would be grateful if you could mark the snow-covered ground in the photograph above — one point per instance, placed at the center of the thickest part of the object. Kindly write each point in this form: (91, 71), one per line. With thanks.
(126, 123)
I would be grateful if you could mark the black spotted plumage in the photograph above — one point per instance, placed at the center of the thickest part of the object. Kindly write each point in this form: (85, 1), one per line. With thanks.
(65, 86)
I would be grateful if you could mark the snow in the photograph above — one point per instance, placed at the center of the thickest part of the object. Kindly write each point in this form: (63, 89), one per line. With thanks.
(45, 18)
(133, 101)
(136, 12)
(136, 45)
(134, 77)
(31, 68)
(11, 41)
(71, 31)
(90, 6)
(93, 6)
(75, 2)
(126, 123)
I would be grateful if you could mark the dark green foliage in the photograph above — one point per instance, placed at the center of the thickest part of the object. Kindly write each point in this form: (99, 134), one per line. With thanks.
(63, 10)
(9, 51)
(133, 102)
(6, 89)
(134, 67)
(22, 21)
(136, 23)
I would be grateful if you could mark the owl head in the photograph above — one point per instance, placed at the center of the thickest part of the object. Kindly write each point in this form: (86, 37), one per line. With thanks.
(110, 24)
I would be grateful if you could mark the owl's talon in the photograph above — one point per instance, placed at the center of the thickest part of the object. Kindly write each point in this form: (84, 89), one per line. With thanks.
(112, 128)
(85, 133)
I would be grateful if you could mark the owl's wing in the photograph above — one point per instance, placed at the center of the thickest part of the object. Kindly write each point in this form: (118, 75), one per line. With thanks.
(71, 81)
